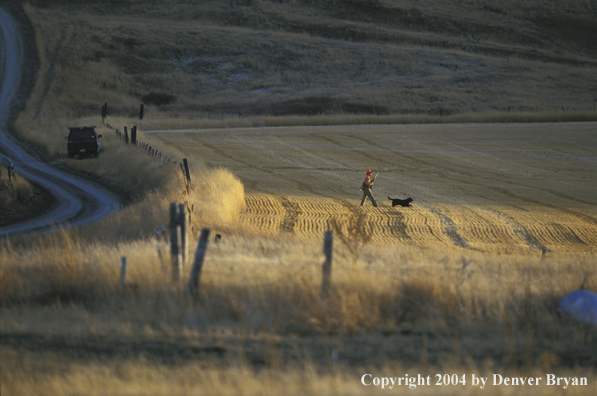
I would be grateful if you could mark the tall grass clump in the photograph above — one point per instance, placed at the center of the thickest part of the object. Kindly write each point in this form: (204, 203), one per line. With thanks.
(216, 198)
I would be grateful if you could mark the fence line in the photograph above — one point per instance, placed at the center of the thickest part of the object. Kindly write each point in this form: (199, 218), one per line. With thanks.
(151, 151)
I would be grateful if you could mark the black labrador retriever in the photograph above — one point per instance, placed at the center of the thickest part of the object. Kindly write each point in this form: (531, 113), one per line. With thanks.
(405, 203)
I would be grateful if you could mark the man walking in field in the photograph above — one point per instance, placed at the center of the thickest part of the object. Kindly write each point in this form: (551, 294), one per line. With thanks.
(366, 187)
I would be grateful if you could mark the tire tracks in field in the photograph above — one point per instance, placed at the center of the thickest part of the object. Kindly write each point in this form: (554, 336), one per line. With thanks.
(581, 216)
(450, 228)
(560, 234)
(312, 216)
(293, 211)
(474, 229)
(383, 222)
(520, 231)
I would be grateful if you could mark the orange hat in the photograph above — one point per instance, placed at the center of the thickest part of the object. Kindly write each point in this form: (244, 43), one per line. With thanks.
(368, 171)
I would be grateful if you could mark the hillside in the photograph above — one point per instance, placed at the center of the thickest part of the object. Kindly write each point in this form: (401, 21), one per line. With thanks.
(206, 58)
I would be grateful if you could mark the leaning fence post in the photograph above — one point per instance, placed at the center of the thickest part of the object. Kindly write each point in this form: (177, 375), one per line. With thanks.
(198, 263)
(327, 264)
(186, 169)
(174, 243)
(122, 270)
(187, 173)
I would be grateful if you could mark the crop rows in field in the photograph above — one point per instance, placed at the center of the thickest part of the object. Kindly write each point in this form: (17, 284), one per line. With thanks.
(485, 187)
(503, 230)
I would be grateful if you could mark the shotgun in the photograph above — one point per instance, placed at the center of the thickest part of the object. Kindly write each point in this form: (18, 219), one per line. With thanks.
(375, 177)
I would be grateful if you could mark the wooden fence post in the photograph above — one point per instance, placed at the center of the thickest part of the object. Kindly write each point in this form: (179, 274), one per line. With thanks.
(134, 135)
(141, 109)
(186, 169)
(198, 263)
(187, 173)
(327, 264)
(174, 251)
(182, 221)
(122, 271)
(126, 136)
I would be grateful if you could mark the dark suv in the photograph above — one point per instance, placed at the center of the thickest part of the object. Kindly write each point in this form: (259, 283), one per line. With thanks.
(83, 141)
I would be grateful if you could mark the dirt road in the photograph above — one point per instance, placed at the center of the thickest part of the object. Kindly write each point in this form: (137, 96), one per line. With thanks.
(79, 201)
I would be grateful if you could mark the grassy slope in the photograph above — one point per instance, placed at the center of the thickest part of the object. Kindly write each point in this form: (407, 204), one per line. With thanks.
(302, 57)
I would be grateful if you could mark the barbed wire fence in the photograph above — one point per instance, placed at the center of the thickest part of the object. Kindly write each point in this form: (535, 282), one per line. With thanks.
(149, 150)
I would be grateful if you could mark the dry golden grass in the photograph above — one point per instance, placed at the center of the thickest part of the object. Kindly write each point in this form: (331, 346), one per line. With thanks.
(260, 302)
(140, 377)
(244, 276)
(11, 192)
(259, 324)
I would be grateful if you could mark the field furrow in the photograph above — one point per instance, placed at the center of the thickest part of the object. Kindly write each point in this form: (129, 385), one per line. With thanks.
(461, 227)
(482, 187)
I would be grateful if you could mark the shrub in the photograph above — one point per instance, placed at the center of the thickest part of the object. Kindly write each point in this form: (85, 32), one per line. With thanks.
(158, 99)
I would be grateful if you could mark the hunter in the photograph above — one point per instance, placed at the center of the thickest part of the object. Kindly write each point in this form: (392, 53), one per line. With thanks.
(366, 187)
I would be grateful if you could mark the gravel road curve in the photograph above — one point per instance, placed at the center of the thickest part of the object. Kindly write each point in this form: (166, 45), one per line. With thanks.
(79, 200)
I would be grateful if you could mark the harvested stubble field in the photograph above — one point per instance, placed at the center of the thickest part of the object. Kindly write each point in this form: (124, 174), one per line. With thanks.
(466, 282)
(499, 188)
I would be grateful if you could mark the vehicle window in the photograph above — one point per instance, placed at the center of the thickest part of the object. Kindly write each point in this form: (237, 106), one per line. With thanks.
(81, 135)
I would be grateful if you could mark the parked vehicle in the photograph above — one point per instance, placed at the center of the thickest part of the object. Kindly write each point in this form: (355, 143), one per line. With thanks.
(83, 141)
